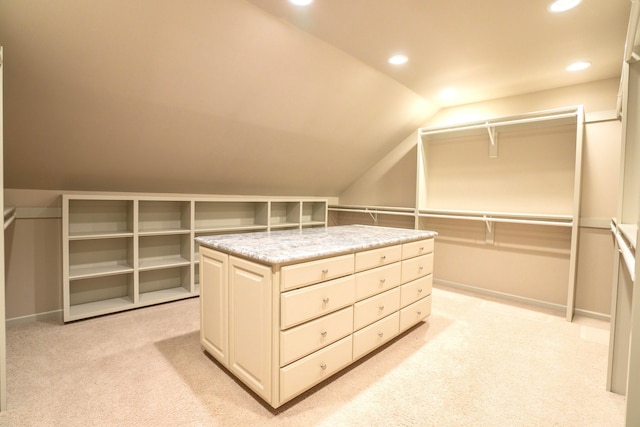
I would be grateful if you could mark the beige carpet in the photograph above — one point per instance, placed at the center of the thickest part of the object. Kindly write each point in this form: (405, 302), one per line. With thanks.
(476, 362)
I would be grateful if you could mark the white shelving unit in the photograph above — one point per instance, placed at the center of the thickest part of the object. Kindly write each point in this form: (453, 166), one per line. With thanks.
(624, 337)
(519, 175)
(124, 251)
(523, 171)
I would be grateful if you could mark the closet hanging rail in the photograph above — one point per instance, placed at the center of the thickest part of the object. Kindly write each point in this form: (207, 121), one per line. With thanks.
(373, 210)
(625, 251)
(515, 218)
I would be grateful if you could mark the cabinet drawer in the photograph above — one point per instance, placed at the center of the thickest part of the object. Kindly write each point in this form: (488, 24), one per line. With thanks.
(308, 273)
(374, 335)
(314, 368)
(377, 280)
(314, 301)
(415, 312)
(414, 249)
(375, 308)
(311, 336)
(413, 291)
(417, 267)
(378, 257)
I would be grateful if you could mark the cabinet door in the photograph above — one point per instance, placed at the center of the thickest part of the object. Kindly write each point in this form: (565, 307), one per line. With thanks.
(250, 324)
(214, 304)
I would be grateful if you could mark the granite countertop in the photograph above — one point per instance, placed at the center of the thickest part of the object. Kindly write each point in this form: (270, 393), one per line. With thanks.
(289, 246)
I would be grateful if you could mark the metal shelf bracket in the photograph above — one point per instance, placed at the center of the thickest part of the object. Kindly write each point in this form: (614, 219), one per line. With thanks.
(493, 141)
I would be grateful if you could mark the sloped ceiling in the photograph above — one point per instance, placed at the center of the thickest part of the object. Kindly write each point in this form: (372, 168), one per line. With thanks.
(484, 49)
(238, 97)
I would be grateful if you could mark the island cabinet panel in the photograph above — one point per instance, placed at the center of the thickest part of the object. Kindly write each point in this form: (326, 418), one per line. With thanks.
(250, 324)
(290, 325)
(214, 320)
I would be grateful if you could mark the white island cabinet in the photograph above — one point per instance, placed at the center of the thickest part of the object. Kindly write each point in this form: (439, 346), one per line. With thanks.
(285, 310)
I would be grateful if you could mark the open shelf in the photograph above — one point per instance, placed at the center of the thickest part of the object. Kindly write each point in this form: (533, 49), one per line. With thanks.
(96, 218)
(212, 216)
(100, 257)
(100, 295)
(284, 215)
(164, 285)
(313, 213)
(162, 251)
(158, 216)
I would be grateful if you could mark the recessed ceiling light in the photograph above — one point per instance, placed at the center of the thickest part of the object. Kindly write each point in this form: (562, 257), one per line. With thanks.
(398, 59)
(301, 2)
(578, 66)
(448, 93)
(563, 5)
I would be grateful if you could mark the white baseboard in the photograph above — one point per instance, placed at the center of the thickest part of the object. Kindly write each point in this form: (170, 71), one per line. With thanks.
(524, 300)
(55, 316)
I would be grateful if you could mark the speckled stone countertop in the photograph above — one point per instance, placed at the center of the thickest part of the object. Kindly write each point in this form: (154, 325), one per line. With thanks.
(290, 246)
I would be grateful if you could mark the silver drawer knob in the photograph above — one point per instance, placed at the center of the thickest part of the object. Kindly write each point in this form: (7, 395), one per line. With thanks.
(323, 366)
(421, 248)
(380, 334)
(381, 307)
(325, 300)
(419, 313)
(420, 290)
(325, 270)
(420, 268)
(383, 257)
(323, 333)
(382, 280)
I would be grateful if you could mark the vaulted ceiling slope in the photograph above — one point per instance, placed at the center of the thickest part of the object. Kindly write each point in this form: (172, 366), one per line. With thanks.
(257, 97)
(192, 96)
(484, 49)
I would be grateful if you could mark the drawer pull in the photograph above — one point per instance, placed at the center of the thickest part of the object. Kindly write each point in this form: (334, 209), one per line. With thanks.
(421, 248)
(380, 334)
(383, 257)
(381, 307)
(325, 300)
(419, 313)
(325, 270)
(420, 290)
(382, 281)
(323, 366)
(323, 333)
(420, 268)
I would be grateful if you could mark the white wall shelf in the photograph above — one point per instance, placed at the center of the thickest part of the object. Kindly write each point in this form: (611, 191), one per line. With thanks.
(123, 251)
